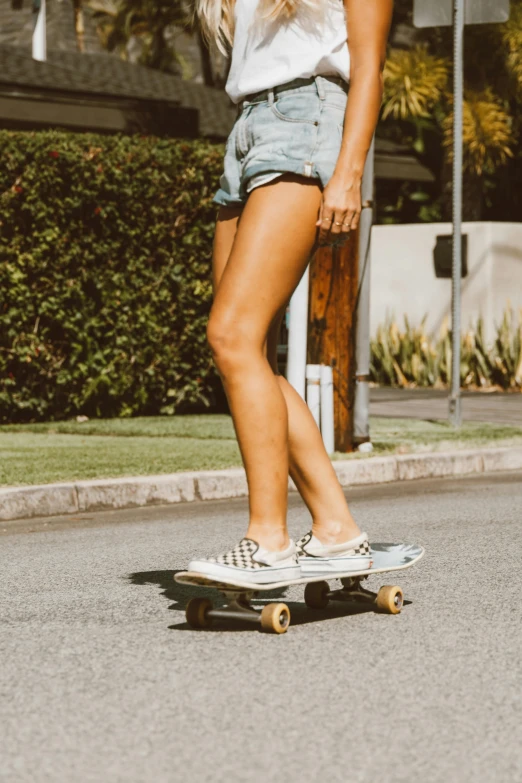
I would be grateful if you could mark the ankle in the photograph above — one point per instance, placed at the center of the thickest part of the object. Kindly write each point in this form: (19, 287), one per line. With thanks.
(273, 540)
(335, 531)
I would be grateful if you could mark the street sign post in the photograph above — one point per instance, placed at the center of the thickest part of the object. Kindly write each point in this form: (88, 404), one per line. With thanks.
(427, 13)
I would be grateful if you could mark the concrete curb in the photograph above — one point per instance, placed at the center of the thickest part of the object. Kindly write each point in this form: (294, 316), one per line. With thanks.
(80, 496)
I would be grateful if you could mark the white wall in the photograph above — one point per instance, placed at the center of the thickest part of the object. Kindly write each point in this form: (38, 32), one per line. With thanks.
(403, 276)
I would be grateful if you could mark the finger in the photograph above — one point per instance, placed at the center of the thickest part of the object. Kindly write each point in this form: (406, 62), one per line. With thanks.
(319, 222)
(348, 222)
(337, 223)
(326, 223)
(354, 221)
(320, 216)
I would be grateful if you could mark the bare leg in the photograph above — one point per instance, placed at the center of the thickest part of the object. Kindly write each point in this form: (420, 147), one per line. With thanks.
(309, 465)
(271, 249)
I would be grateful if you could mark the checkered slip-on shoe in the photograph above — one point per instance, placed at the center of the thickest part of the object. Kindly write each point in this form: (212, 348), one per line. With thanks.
(249, 562)
(316, 558)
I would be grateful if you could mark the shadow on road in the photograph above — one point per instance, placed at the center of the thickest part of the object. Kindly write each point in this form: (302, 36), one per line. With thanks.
(301, 614)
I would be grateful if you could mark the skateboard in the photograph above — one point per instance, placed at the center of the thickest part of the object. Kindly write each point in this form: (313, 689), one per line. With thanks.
(275, 617)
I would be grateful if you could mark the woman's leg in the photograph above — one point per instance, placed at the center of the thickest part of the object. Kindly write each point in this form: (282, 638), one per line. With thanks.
(309, 464)
(271, 249)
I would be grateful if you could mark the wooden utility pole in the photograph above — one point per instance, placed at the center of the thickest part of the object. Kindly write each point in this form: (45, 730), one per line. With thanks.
(332, 319)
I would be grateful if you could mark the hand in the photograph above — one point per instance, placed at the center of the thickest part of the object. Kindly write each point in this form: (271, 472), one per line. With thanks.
(340, 210)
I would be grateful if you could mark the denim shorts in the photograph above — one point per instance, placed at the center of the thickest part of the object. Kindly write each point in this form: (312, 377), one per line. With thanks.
(296, 127)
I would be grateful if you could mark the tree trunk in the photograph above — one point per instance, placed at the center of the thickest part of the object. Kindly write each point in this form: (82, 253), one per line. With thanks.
(332, 321)
(206, 60)
(79, 27)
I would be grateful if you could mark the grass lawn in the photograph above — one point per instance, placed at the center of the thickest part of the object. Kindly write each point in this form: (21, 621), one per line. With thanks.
(64, 451)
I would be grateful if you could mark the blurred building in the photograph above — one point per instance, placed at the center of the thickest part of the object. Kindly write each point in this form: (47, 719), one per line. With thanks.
(98, 91)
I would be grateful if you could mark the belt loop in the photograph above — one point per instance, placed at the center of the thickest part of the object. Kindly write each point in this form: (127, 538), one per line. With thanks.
(319, 84)
(271, 96)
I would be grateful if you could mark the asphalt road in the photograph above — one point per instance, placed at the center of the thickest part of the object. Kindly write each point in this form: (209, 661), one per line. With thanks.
(102, 680)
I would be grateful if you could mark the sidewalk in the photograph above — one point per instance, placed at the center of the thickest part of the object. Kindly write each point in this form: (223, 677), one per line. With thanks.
(70, 467)
(432, 405)
(96, 495)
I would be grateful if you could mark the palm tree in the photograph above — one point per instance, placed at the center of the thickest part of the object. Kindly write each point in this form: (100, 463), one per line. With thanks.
(151, 27)
(150, 22)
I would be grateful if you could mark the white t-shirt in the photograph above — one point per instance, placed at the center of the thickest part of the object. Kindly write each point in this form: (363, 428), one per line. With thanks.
(266, 54)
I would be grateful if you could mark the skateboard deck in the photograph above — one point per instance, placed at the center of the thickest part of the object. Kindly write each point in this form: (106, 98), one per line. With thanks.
(274, 617)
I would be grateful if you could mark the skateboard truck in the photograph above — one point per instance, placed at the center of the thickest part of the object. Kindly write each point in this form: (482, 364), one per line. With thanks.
(274, 618)
(389, 599)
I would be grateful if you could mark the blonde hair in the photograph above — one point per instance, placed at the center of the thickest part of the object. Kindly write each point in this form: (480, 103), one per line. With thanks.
(216, 17)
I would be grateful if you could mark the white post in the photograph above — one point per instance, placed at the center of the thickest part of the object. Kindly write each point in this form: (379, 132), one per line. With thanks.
(40, 34)
(313, 391)
(297, 335)
(327, 408)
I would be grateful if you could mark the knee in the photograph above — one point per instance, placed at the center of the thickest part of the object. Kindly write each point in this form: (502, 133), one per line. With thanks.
(228, 344)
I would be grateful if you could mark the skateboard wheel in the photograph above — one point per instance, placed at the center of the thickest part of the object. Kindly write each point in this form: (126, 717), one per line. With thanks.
(316, 595)
(275, 618)
(197, 613)
(390, 599)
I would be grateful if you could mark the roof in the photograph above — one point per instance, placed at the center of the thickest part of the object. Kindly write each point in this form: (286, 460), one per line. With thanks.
(108, 76)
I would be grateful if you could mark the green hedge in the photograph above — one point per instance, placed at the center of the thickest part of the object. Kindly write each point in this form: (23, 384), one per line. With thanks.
(105, 274)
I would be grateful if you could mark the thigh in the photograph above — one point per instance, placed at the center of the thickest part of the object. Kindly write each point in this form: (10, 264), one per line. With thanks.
(226, 227)
(272, 246)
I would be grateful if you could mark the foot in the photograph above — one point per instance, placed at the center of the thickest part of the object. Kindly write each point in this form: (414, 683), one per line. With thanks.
(330, 559)
(252, 563)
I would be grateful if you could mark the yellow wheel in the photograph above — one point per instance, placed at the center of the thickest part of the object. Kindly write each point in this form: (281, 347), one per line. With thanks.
(275, 618)
(390, 599)
(196, 612)
(316, 595)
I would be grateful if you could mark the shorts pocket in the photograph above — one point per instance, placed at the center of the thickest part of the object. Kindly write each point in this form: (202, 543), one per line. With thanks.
(297, 107)
(335, 101)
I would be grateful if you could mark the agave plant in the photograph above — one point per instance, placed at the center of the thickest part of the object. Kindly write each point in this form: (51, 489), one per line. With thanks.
(507, 360)
(410, 358)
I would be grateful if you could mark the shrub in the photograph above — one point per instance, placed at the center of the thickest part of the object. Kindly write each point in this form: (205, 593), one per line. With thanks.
(105, 274)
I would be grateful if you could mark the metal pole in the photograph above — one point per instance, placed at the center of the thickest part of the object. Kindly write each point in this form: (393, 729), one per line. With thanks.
(455, 413)
(362, 348)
